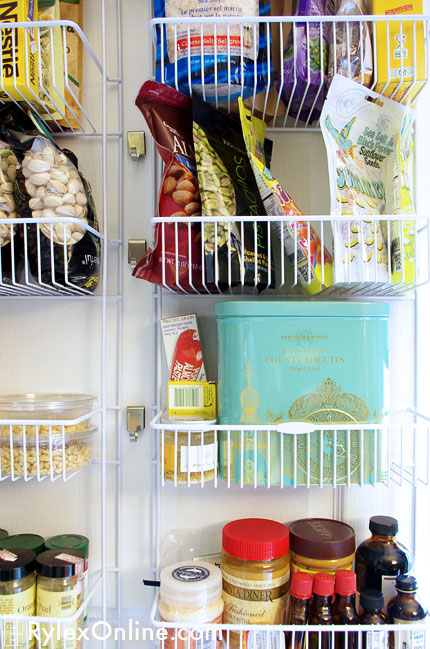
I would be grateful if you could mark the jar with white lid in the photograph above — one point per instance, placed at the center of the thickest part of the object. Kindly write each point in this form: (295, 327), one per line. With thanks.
(191, 592)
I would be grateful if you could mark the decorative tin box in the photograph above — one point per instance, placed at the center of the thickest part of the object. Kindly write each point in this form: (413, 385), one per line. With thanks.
(323, 362)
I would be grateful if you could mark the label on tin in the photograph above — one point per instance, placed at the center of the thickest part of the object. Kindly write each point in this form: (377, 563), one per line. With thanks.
(254, 602)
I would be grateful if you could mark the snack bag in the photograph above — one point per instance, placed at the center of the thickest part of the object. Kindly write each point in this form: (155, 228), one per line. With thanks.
(73, 10)
(51, 83)
(352, 52)
(361, 130)
(302, 82)
(309, 257)
(224, 70)
(10, 240)
(228, 188)
(176, 258)
(403, 233)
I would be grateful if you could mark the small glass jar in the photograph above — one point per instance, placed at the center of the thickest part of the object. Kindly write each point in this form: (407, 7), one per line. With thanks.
(191, 452)
(17, 595)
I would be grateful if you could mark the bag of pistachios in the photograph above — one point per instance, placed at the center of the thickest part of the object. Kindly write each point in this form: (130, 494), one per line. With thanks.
(236, 252)
(10, 240)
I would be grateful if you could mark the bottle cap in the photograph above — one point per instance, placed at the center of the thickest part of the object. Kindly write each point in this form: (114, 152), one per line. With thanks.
(345, 582)
(32, 542)
(75, 541)
(60, 563)
(16, 563)
(323, 584)
(190, 584)
(406, 584)
(322, 538)
(301, 585)
(384, 525)
(371, 600)
(255, 539)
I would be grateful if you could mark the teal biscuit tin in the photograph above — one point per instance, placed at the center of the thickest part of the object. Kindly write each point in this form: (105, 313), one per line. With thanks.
(323, 362)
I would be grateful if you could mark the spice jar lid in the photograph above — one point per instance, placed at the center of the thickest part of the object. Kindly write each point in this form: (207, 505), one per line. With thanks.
(73, 541)
(191, 584)
(55, 563)
(384, 525)
(322, 538)
(32, 542)
(371, 599)
(323, 584)
(3, 534)
(406, 584)
(345, 582)
(301, 585)
(255, 539)
(16, 563)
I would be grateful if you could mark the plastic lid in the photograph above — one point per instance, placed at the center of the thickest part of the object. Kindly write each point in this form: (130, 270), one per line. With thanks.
(48, 564)
(75, 541)
(189, 583)
(406, 584)
(384, 525)
(16, 563)
(301, 585)
(371, 600)
(323, 584)
(322, 538)
(345, 582)
(37, 402)
(255, 539)
(32, 542)
(3, 534)
(294, 309)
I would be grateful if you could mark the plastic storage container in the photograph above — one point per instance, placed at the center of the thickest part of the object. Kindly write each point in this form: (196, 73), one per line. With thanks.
(298, 361)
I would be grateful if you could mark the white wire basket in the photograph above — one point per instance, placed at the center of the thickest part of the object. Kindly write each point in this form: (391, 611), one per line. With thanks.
(281, 65)
(293, 454)
(35, 257)
(378, 258)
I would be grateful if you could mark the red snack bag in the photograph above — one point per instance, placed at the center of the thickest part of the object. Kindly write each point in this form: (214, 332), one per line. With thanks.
(169, 117)
(187, 357)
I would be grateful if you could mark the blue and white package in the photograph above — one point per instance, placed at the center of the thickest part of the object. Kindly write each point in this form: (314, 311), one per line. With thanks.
(240, 50)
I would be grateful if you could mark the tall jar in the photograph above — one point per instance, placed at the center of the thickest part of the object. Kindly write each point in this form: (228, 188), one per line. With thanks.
(73, 542)
(186, 453)
(191, 592)
(17, 596)
(321, 545)
(255, 567)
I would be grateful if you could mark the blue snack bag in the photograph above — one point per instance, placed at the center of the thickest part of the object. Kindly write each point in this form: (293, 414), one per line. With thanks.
(234, 62)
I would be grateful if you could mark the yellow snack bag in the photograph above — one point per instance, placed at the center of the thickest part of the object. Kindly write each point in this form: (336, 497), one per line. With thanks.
(51, 47)
(73, 10)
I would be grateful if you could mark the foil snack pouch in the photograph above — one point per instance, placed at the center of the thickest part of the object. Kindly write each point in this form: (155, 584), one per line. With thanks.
(361, 131)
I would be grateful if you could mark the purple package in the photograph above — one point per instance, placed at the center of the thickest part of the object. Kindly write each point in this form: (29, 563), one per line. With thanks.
(304, 78)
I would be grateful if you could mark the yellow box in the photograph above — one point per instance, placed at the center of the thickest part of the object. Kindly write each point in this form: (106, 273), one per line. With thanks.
(191, 399)
(406, 67)
(20, 76)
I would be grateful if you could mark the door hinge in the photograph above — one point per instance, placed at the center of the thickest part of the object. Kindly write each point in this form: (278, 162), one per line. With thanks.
(135, 422)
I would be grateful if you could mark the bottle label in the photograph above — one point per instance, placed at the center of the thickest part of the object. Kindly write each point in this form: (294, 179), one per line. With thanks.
(376, 640)
(254, 602)
(388, 588)
(409, 639)
(15, 633)
(58, 604)
(197, 458)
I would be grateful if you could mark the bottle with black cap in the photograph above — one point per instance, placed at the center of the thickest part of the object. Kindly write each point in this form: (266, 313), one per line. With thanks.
(381, 558)
(405, 609)
(372, 602)
(17, 595)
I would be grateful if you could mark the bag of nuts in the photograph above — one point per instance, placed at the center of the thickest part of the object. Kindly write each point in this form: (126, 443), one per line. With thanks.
(176, 258)
(9, 258)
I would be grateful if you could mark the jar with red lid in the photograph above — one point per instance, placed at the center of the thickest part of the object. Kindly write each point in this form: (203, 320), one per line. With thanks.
(255, 565)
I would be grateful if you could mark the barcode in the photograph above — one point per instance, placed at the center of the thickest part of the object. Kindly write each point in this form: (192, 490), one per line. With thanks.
(66, 603)
(186, 396)
(301, 256)
(396, 260)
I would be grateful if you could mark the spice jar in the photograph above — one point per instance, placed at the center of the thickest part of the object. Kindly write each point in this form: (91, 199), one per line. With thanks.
(58, 593)
(17, 596)
(321, 545)
(192, 452)
(256, 570)
(32, 542)
(191, 592)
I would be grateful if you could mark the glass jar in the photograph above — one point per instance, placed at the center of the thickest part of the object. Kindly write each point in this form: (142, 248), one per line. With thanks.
(406, 610)
(188, 451)
(321, 545)
(17, 596)
(59, 592)
(255, 567)
(191, 592)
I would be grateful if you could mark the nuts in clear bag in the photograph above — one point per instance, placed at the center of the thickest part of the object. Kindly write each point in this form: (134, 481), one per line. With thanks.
(8, 164)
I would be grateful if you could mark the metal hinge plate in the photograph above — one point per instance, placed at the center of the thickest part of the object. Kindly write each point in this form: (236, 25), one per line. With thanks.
(136, 250)
(135, 422)
(136, 144)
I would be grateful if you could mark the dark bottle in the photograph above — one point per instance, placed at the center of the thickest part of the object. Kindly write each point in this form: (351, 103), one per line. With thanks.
(343, 608)
(300, 597)
(381, 558)
(405, 609)
(372, 603)
(320, 609)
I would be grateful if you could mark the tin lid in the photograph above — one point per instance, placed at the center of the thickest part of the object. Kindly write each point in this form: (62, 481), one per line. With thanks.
(323, 584)
(16, 563)
(75, 541)
(294, 309)
(345, 582)
(371, 600)
(255, 539)
(301, 585)
(53, 563)
(189, 583)
(3, 534)
(32, 542)
(384, 525)
(322, 538)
